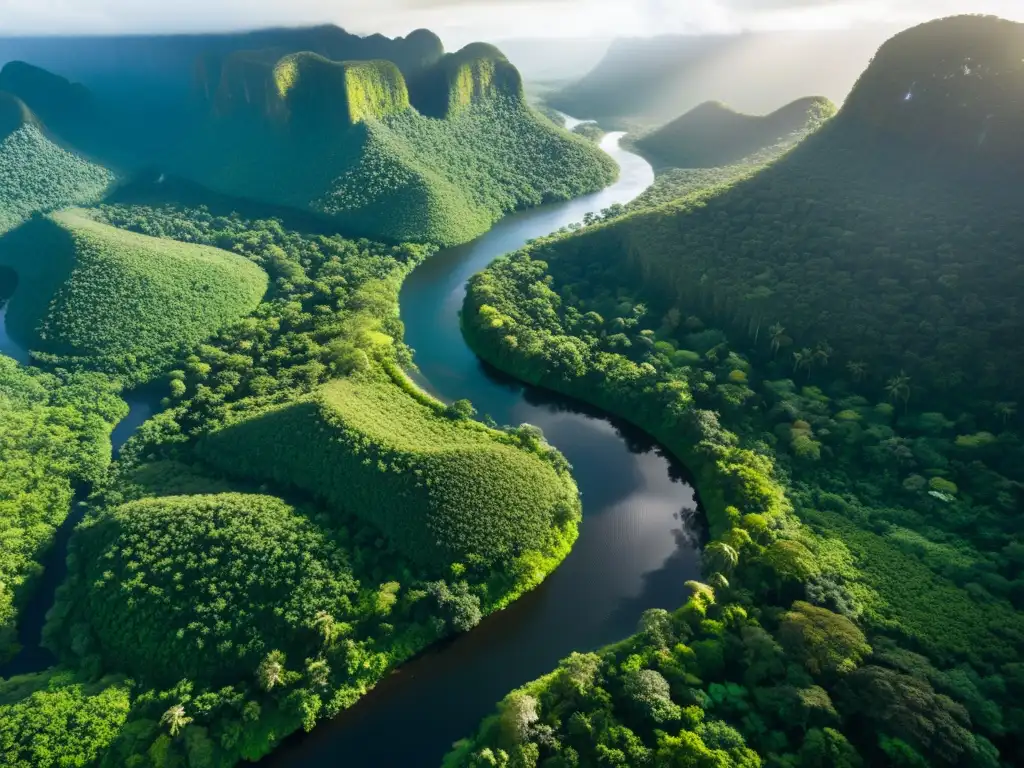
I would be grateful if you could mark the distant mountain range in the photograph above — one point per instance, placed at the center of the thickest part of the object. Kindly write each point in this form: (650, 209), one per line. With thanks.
(713, 135)
(385, 138)
(653, 80)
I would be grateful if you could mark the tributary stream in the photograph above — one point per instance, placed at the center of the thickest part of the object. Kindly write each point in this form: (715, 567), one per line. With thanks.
(637, 544)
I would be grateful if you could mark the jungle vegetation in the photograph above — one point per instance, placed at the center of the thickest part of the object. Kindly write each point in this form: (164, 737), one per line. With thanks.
(437, 158)
(591, 131)
(863, 592)
(224, 592)
(54, 435)
(100, 298)
(408, 145)
(36, 173)
(712, 135)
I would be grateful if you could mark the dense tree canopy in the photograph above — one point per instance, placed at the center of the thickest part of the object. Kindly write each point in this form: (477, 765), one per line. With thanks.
(117, 300)
(241, 616)
(804, 339)
(54, 435)
(713, 135)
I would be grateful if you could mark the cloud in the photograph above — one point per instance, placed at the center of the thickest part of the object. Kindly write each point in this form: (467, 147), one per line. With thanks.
(459, 21)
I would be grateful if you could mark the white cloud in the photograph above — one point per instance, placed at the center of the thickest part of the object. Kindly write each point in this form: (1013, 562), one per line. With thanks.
(459, 21)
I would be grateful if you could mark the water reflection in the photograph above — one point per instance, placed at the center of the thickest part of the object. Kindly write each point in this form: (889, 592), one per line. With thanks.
(9, 346)
(637, 545)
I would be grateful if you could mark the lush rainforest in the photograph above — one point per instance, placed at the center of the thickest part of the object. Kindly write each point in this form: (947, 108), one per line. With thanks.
(36, 174)
(250, 576)
(107, 299)
(54, 435)
(803, 338)
(819, 315)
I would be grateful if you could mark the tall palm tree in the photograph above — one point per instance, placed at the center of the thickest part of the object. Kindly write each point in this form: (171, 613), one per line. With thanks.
(857, 369)
(319, 672)
(1006, 411)
(822, 353)
(777, 332)
(898, 388)
(702, 591)
(802, 359)
(325, 626)
(720, 556)
(270, 672)
(175, 719)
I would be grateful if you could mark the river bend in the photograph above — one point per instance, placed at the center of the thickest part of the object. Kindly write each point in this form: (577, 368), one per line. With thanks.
(637, 544)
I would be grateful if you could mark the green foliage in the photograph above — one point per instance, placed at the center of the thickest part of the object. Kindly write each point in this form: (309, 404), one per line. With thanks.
(199, 587)
(441, 490)
(244, 617)
(118, 300)
(712, 135)
(955, 73)
(591, 131)
(477, 73)
(340, 139)
(825, 642)
(54, 434)
(452, 179)
(315, 90)
(38, 175)
(14, 114)
(861, 489)
(52, 719)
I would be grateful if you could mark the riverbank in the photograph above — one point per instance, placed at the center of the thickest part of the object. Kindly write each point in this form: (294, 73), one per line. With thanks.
(637, 545)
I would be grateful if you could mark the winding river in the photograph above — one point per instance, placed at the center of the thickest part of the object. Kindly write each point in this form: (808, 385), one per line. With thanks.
(638, 542)
(33, 657)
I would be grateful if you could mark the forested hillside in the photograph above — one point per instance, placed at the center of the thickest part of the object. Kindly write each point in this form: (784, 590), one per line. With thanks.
(829, 344)
(101, 298)
(36, 174)
(370, 447)
(713, 135)
(391, 139)
(299, 520)
(650, 81)
(54, 434)
(436, 157)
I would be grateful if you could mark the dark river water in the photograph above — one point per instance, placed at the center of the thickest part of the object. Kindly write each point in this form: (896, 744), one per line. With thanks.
(638, 542)
(33, 657)
(637, 545)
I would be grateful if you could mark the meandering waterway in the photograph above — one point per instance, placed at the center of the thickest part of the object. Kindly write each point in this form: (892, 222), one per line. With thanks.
(637, 544)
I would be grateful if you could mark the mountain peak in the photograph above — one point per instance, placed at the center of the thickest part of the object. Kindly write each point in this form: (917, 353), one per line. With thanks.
(954, 84)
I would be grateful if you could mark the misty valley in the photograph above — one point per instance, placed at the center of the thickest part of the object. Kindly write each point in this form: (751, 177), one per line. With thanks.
(565, 403)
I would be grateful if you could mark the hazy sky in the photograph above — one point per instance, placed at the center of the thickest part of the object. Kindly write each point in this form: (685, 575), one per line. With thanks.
(459, 21)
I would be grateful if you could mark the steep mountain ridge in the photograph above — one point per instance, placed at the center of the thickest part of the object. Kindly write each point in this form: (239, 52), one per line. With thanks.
(832, 346)
(476, 73)
(712, 134)
(14, 113)
(61, 104)
(146, 64)
(36, 172)
(436, 157)
(410, 144)
(955, 86)
(836, 239)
